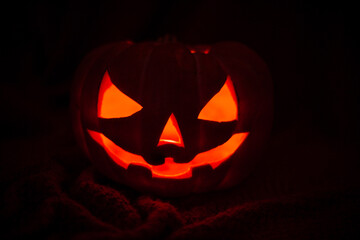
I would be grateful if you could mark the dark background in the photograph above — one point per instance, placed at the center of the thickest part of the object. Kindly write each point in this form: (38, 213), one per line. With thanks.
(310, 48)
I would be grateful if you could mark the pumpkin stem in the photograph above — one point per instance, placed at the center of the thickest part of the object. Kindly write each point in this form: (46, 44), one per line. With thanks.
(168, 38)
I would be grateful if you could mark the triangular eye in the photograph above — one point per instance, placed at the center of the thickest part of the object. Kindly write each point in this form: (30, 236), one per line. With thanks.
(222, 107)
(112, 103)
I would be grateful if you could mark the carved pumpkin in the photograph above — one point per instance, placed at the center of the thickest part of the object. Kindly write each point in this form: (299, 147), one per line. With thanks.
(172, 119)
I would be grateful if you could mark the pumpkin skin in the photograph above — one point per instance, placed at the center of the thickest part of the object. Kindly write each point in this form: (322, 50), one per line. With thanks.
(143, 114)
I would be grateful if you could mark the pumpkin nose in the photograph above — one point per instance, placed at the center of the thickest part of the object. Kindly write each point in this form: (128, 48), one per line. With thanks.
(171, 133)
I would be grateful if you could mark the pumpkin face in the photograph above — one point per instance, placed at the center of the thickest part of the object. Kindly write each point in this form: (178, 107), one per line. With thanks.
(173, 119)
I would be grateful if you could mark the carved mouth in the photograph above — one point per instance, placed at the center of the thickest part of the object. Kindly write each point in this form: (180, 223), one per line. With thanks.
(170, 169)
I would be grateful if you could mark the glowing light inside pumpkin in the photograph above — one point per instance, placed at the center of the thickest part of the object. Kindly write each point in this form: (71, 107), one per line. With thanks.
(223, 106)
(171, 133)
(170, 169)
(204, 51)
(112, 103)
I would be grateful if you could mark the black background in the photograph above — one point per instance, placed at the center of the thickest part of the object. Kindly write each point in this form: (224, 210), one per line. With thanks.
(310, 48)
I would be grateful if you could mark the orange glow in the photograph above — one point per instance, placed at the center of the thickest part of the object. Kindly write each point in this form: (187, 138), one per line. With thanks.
(223, 106)
(170, 169)
(112, 103)
(201, 50)
(171, 133)
(120, 156)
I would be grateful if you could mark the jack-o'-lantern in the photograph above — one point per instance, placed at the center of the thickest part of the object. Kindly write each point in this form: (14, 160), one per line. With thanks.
(173, 119)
